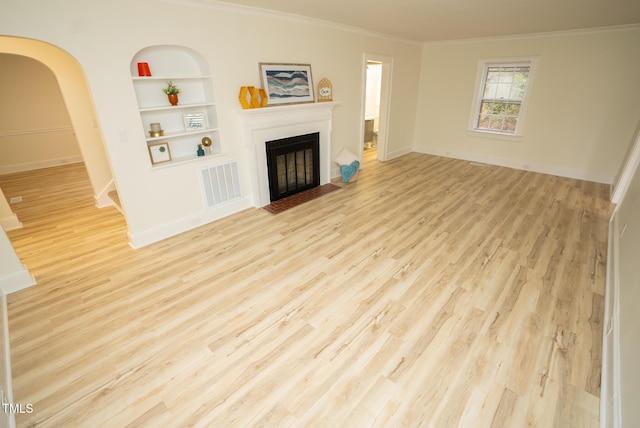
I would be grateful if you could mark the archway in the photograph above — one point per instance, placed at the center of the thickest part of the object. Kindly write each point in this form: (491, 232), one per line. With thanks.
(77, 99)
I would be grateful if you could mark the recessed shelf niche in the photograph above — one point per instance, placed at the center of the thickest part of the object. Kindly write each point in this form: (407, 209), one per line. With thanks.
(190, 72)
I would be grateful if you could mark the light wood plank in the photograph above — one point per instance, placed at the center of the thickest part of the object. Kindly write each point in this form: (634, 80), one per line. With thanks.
(430, 292)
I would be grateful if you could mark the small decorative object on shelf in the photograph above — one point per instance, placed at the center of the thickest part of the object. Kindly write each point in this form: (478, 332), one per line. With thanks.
(200, 151)
(206, 142)
(243, 97)
(156, 130)
(193, 121)
(172, 92)
(159, 153)
(143, 69)
(325, 90)
(258, 97)
(264, 98)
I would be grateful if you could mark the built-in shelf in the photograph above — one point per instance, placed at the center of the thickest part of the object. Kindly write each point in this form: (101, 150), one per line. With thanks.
(166, 136)
(175, 108)
(187, 70)
(186, 159)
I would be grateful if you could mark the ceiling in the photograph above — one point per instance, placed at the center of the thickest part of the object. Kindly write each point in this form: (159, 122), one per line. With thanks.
(437, 20)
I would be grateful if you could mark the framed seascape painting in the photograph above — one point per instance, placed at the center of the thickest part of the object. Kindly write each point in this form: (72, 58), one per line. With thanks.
(287, 83)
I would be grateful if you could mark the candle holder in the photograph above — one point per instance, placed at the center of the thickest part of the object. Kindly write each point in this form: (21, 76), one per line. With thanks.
(156, 130)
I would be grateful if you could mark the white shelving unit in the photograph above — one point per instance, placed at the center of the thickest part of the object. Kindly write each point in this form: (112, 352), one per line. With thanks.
(189, 72)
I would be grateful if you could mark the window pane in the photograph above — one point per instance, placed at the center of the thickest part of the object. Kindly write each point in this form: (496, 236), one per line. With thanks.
(513, 109)
(493, 108)
(486, 107)
(496, 123)
(506, 75)
(510, 124)
(490, 90)
(504, 90)
(483, 121)
(493, 74)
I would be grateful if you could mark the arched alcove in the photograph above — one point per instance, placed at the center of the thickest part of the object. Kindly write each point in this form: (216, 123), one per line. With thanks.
(193, 121)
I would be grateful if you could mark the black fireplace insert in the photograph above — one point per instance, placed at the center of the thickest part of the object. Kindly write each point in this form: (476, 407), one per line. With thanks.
(293, 165)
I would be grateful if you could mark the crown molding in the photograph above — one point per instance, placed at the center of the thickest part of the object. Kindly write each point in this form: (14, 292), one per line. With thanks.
(290, 17)
(578, 32)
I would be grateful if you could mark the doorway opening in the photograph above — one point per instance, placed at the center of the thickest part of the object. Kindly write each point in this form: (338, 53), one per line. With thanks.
(372, 109)
(377, 78)
(51, 130)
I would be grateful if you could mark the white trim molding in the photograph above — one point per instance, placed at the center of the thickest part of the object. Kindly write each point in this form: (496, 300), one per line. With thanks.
(512, 163)
(622, 182)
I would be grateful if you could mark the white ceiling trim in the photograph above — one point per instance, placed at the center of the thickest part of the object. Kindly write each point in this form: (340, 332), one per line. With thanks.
(629, 27)
(289, 17)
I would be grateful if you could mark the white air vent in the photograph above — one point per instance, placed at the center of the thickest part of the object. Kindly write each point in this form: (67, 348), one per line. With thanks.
(221, 183)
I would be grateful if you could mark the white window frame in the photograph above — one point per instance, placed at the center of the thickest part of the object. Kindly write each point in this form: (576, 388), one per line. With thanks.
(483, 65)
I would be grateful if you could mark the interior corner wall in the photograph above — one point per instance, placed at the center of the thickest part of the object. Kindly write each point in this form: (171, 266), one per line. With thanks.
(583, 104)
(159, 202)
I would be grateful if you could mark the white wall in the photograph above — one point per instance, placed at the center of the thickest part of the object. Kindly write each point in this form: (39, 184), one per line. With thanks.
(104, 36)
(582, 111)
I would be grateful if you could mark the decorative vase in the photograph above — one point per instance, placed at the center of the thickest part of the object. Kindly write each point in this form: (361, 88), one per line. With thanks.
(173, 99)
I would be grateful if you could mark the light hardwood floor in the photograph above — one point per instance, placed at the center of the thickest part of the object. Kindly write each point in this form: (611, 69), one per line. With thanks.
(432, 292)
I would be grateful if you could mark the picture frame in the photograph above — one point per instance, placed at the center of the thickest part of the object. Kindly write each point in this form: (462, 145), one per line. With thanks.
(160, 153)
(194, 121)
(287, 83)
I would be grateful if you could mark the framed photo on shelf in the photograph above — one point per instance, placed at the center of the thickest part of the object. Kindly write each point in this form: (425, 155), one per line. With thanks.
(159, 153)
(287, 83)
(194, 121)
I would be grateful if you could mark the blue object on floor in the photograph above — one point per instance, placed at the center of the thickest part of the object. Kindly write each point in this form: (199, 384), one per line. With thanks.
(349, 171)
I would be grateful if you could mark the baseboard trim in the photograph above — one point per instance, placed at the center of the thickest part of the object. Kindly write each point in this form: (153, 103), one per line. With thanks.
(102, 198)
(510, 163)
(150, 236)
(398, 153)
(30, 166)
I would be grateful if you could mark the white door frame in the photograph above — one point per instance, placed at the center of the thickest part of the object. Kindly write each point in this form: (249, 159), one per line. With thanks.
(385, 100)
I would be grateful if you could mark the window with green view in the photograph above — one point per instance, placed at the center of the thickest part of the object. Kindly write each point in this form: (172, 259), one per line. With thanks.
(503, 90)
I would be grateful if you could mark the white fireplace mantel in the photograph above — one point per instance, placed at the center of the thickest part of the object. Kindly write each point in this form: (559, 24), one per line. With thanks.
(274, 123)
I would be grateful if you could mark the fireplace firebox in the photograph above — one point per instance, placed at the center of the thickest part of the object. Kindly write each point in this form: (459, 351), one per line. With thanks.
(293, 165)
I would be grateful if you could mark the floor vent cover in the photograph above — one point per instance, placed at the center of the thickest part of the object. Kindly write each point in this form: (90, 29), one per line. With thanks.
(221, 183)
